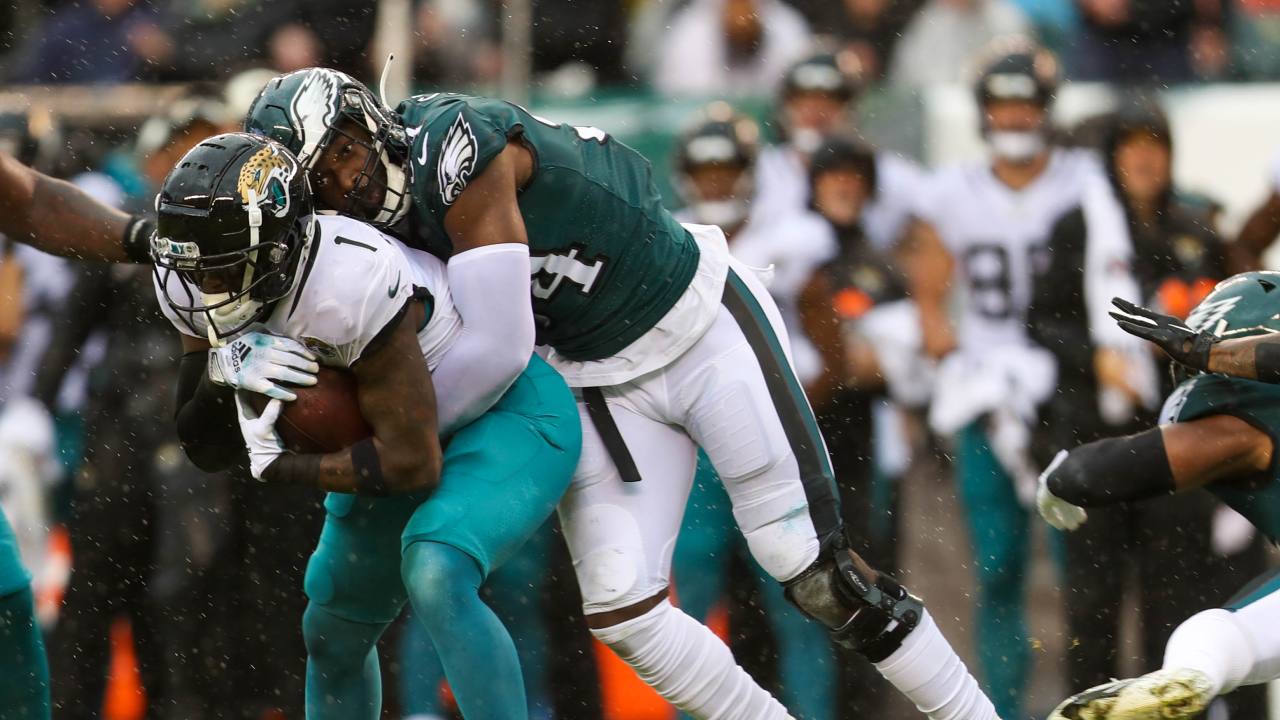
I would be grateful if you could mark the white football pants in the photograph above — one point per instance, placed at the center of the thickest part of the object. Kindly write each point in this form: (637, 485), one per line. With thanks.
(752, 427)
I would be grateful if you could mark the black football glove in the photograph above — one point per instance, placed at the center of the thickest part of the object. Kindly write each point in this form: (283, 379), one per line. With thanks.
(1183, 344)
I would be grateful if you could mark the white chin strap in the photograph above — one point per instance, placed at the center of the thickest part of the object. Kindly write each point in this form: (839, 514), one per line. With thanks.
(235, 314)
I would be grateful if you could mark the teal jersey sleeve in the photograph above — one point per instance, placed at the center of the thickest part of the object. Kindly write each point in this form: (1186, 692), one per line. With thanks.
(1257, 498)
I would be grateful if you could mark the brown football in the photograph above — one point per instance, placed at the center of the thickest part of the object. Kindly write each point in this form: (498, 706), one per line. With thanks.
(326, 416)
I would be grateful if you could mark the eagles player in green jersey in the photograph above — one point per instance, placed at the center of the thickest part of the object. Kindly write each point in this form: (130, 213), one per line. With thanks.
(670, 345)
(1216, 432)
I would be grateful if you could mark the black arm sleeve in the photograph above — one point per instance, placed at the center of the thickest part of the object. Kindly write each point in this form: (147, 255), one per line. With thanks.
(1115, 470)
(1266, 361)
(83, 311)
(206, 418)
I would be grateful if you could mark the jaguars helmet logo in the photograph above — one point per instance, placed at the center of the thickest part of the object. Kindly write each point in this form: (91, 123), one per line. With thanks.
(268, 173)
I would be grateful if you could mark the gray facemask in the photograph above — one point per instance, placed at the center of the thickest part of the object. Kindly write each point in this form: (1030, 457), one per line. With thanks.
(806, 140)
(724, 214)
(1015, 145)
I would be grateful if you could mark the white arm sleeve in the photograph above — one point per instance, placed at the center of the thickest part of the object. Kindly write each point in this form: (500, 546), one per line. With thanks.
(490, 288)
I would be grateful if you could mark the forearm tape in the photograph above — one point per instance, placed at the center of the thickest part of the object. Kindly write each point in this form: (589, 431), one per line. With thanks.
(294, 470)
(1115, 470)
(1266, 361)
(206, 417)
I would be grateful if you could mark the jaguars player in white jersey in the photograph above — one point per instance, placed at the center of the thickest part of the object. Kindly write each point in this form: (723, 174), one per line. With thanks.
(268, 291)
(819, 95)
(987, 225)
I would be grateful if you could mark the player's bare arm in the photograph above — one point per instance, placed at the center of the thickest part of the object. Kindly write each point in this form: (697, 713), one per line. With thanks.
(486, 212)
(1259, 231)
(398, 401)
(929, 268)
(58, 218)
(1169, 459)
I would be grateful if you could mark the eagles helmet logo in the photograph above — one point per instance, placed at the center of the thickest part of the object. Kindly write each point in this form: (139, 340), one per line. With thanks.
(457, 160)
(315, 107)
(1209, 313)
(268, 173)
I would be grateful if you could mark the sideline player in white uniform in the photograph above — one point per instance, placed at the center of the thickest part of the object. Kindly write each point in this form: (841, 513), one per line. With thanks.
(716, 164)
(243, 265)
(818, 95)
(991, 223)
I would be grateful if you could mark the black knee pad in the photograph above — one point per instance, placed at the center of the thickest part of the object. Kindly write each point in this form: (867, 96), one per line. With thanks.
(884, 613)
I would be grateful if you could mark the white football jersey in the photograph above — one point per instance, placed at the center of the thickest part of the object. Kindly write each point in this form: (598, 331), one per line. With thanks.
(998, 237)
(1273, 172)
(782, 190)
(352, 283)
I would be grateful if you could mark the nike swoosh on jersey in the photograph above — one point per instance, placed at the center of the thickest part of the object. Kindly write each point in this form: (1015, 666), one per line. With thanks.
(395, 287)
(413, 135)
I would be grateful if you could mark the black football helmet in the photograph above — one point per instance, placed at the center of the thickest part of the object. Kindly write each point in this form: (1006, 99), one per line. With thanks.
(724, 137)
(1016, 68)
(235, 219)
(304, 111)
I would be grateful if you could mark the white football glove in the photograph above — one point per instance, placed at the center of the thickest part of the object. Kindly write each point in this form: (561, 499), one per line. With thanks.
(1056, 511)
(260, 362)
(259, 433)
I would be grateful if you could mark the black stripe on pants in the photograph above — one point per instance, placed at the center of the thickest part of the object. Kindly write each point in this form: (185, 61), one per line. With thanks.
(791, 405)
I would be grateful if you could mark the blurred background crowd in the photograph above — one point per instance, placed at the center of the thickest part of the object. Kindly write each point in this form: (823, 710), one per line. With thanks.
(820, 135)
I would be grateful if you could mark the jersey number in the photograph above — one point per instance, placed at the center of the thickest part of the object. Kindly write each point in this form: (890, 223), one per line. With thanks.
(586, 132)
(551, 270)
(987, 267)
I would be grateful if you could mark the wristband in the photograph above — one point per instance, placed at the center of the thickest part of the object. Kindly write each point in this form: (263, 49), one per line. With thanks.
(1266, 362)
(368, 469)
(137, 239)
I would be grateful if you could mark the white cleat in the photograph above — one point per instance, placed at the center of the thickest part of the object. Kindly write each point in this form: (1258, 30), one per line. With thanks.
(1161, 695)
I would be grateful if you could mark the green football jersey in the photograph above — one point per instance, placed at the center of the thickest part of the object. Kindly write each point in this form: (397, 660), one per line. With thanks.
(608, 260)
(1258, 404)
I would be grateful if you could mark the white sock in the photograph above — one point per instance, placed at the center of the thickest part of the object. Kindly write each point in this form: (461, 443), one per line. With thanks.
(689, 666)
(931, 675)
(1214, 643)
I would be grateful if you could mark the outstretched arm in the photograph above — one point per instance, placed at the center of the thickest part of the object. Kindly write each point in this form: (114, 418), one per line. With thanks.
(1257, 234)
(1171, 458)
(60, 219)
(1251, 358)
(489, 281)
(929, 269)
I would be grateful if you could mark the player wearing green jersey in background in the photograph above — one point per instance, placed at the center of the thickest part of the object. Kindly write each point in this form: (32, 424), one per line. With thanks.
(1216, 432)
(670, 345)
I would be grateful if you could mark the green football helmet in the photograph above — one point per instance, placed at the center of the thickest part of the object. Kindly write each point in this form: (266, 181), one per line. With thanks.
(1240, 306)
(234, 221)
(304, 110)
